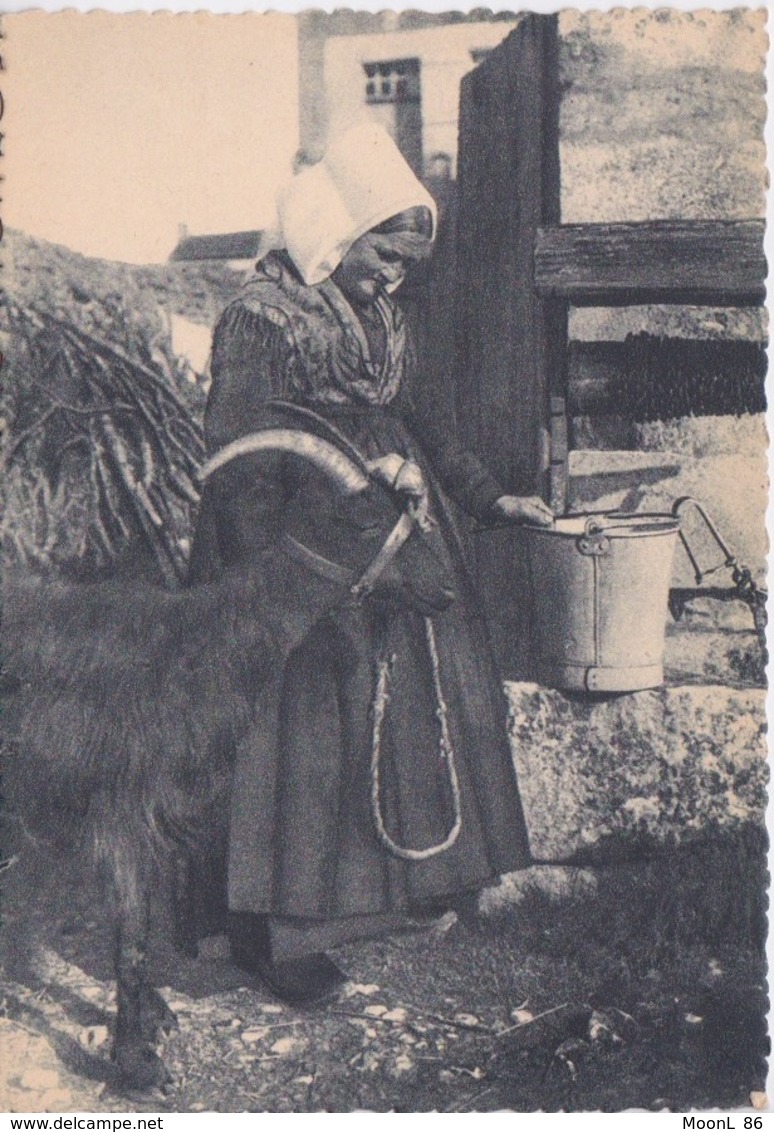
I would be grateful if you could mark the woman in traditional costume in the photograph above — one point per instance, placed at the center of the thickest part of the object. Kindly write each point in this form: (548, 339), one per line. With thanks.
(312, 862)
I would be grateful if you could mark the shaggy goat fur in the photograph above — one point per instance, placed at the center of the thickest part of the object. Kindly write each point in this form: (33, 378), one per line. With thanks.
(120, 741)
(131, 702)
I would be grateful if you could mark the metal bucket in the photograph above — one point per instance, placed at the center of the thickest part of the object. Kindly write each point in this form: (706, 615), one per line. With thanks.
(601, 589)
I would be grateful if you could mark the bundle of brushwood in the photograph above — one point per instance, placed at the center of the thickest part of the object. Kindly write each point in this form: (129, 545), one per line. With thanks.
(101, 445)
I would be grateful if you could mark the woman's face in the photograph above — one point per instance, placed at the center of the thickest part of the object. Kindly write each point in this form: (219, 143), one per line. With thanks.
(371, 265)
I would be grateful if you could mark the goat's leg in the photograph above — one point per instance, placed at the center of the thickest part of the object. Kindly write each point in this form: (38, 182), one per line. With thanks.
(184, 905)
(142, 1013)
(199, 893)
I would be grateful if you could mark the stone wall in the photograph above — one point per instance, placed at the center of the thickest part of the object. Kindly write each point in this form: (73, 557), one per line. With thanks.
(636, 773)
(662, 114)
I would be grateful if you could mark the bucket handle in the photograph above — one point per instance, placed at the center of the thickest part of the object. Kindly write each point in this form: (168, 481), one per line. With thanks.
(596, 520)
(729, 560)
(744, 588)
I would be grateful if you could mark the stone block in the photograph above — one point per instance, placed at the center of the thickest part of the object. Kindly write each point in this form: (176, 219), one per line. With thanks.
(603, 778)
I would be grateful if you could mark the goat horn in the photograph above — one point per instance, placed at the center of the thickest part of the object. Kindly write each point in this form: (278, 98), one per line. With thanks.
(329, 459)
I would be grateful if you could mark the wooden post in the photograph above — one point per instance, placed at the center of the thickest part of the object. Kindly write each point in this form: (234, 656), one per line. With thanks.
(512, 342)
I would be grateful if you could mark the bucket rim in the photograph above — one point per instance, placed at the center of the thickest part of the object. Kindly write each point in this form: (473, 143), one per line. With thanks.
(613, 524)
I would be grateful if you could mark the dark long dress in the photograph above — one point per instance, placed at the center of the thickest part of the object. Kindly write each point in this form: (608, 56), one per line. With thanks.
(304, 847)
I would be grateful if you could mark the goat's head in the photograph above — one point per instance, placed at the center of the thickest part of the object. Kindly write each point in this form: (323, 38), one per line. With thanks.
(360, 535)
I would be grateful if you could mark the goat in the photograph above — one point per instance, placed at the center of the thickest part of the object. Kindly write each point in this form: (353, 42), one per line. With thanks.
(132, 701)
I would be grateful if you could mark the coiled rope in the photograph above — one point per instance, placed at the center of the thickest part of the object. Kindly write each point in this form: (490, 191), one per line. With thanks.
(445, 748)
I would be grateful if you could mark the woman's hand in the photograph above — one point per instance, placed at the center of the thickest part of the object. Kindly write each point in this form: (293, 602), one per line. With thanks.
(529, 509)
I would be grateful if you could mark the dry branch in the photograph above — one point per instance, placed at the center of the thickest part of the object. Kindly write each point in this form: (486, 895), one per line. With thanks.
(100, 450)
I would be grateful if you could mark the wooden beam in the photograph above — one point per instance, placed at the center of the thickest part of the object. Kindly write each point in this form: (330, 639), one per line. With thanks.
(647, 377)
(711, 262)
(511, 342)
(508, 182)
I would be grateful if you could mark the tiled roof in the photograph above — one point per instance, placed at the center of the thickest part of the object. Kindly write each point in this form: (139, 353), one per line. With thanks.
(226, 245)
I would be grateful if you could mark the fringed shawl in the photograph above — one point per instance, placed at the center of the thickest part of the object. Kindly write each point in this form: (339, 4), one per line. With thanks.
(306, 342)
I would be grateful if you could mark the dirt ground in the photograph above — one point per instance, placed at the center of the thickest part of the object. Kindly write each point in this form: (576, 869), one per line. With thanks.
(641, 984)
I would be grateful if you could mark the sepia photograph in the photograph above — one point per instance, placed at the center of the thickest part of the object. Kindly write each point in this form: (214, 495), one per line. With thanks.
(383, 540)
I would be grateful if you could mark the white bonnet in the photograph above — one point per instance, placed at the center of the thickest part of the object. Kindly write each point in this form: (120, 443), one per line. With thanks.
(362, 180)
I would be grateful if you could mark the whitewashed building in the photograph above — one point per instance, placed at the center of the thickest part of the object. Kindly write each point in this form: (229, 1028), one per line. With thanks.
(409, 80)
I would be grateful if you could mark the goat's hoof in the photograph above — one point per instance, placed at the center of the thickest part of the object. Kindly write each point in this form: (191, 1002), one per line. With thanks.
(157, 1017)
(141, 1067)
